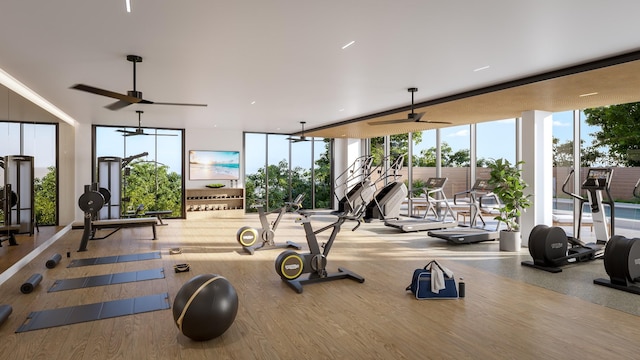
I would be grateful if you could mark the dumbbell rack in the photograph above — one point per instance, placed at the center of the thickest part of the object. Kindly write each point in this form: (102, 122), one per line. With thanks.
(220, 201)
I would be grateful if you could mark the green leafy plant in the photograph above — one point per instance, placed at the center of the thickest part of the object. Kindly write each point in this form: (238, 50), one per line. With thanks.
(215, 186)
(509, 187)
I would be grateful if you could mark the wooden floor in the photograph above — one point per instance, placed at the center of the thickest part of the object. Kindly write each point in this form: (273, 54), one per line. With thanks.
(9, 255)
(502, 316)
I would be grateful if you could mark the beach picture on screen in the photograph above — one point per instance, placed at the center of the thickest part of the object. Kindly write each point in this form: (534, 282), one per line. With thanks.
(214, 165)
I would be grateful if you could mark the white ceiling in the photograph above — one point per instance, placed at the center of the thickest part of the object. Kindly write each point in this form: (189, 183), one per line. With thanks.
(286, 55)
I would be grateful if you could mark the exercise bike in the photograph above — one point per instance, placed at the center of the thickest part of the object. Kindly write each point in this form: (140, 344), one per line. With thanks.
(290, 265)
(248, 236)
(622, 261)
(551, 248)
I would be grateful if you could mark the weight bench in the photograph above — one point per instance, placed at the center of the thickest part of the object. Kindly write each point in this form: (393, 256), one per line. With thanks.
(8, 232)
(158, 214)
(116, 224)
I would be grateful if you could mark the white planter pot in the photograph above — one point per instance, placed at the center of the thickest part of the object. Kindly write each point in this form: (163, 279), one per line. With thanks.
(510, 240)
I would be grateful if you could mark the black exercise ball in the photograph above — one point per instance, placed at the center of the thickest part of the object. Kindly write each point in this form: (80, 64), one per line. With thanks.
(205, 307)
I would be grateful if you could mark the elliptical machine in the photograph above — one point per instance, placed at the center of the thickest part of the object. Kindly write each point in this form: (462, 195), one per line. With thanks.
(551, 248)
(622, 261)
(248, 236)
(290, 265)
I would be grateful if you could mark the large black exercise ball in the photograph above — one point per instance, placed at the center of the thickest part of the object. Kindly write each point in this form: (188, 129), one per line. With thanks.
(205, 307)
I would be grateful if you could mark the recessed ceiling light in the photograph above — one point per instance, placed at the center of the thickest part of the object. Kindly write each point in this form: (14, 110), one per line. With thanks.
(349, 44)
(341, 110)
(481, 68)
(253, 102)
(128, 5)
(588, 94)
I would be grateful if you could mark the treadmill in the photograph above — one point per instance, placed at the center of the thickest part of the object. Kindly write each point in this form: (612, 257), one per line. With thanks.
(480, 191)
(437, 205)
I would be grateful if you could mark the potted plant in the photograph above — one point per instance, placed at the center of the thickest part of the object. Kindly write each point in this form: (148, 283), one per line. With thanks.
(509, 187)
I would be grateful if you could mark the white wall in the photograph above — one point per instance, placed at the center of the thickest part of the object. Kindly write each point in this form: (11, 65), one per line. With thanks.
(212, 139)
(82, 160)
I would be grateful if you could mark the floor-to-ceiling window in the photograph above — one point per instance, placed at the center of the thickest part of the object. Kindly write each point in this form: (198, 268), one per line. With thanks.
(41, 142)
(455, 144)
(610, 137)
(423, 164)
(278, 168)
(152, 166)
(321, 175)
(488, 148)
(563, 162)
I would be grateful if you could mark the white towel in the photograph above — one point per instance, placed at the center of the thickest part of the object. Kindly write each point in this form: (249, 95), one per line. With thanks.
(438, 272)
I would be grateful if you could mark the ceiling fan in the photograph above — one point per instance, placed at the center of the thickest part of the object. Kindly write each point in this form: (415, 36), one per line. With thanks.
(411, 117)
(139, 130)
(132, 96)
(302, 137)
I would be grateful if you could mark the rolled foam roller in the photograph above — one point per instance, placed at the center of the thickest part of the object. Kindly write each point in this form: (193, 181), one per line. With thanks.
(53, 261)
(31, 283)
(5, 311)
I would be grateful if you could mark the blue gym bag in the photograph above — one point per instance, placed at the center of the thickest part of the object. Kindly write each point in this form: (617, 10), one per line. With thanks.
(423, 279)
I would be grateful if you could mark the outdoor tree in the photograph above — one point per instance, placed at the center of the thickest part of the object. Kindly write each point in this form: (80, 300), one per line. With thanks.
(151, 185)
(460, 158)
(399, 145)
(589, 155)
(45, 198)
(278, 177)
(322, 173)
(619, 131)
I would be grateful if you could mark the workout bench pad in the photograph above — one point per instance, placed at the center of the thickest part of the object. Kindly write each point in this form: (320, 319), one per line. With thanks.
(114, 259)
(108, 279)
(90, 312)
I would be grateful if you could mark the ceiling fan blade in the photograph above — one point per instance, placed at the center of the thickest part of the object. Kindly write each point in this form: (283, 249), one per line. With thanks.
(387, 122)
(436, 122)
(412, 117)
(118, 105)
(107, 93)
(125, 131)
(168, 103)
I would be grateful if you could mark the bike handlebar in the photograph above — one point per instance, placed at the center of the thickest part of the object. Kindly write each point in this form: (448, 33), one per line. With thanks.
(564, 185)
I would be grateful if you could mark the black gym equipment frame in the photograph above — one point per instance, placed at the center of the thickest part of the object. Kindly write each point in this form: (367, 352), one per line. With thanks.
(90, 202)
(248, 236)
(8, 199)
(550, 248)
(290, 265)
(435, 202)
(622, 260)
(622, 263)
(481, 190)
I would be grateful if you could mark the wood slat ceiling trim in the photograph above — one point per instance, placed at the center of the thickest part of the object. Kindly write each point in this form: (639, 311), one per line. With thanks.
(615, 84)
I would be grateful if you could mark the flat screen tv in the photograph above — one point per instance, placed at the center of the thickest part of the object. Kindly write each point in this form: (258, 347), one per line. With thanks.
(214, 165)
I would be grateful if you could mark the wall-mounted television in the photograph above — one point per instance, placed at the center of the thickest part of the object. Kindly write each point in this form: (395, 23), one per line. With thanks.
(214, 165)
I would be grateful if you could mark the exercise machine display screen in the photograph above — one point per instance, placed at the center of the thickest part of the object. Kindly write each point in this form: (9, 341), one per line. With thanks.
(597, 178)
(435, 183)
